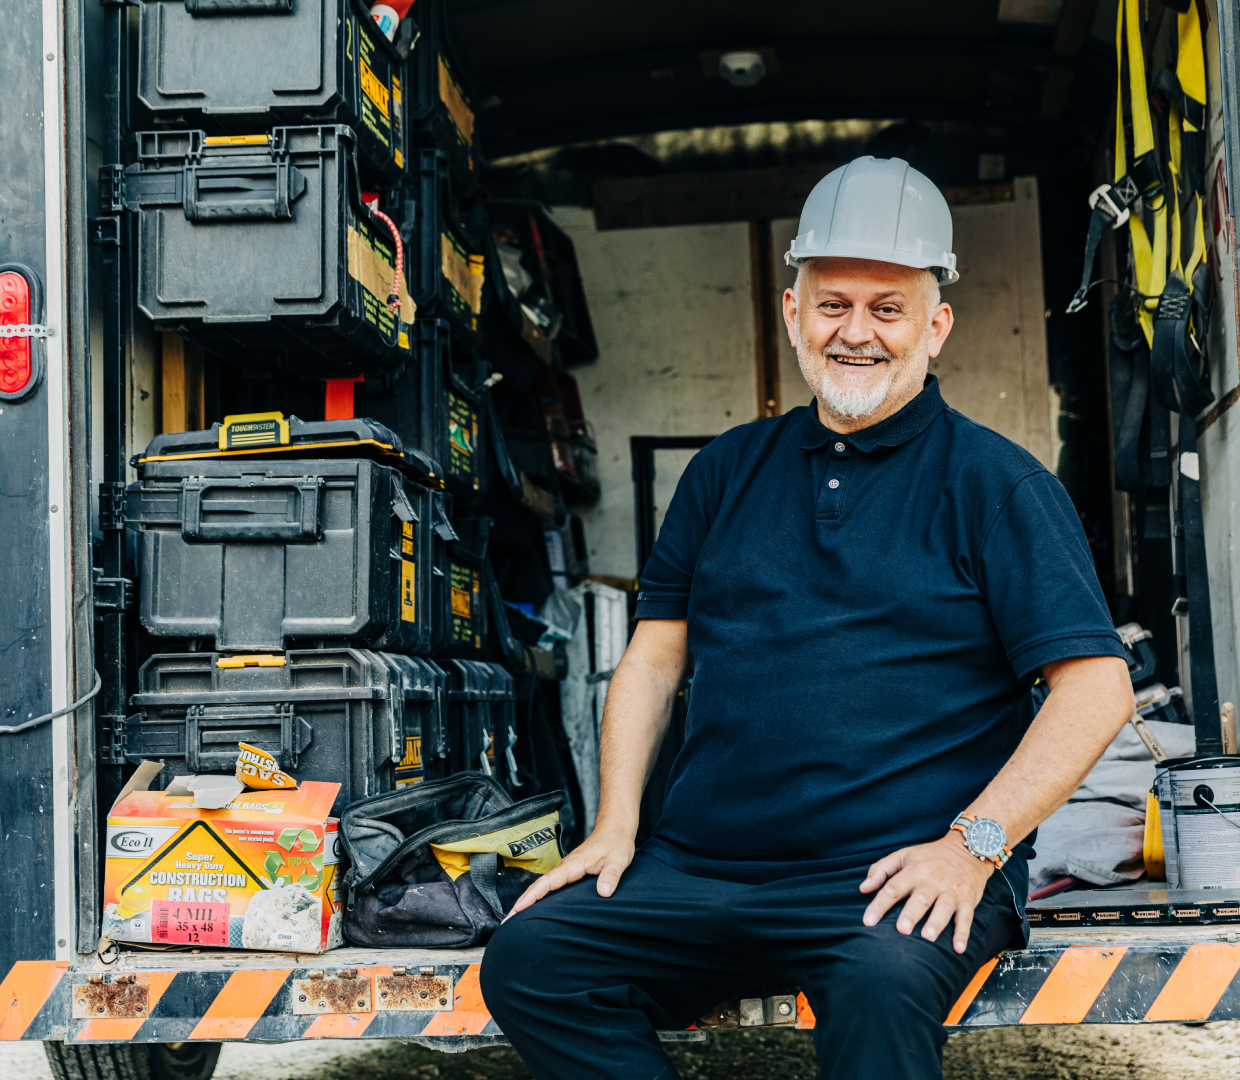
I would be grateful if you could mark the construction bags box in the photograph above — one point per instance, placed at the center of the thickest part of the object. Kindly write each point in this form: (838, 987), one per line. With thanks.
(258, 873)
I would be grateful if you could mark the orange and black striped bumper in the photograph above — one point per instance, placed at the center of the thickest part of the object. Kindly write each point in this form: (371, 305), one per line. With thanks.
(1124, 984)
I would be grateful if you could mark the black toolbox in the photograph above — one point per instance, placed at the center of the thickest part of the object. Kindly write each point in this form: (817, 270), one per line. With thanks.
(472, 740)
(444, 256)
(260, 248)
(253, 550)
(327, 714)
(463, 614)
(437, 106)
(426, 734)
(438, 405)
(249, 62)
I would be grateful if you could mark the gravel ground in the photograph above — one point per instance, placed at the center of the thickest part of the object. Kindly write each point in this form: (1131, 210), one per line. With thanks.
(1087, 1052)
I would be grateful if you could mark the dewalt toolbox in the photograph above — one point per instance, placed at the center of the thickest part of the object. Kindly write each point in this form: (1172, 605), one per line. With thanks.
(325, 714)
(260, 248)
(253, 551)
(443, 243)
(433, 405)
(463, 617)
(235, 64)
(426, 736)
(502, 696)
(469, 716)
(437, 106)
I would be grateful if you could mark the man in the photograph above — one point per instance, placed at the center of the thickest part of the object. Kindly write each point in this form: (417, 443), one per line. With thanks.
(863, 590)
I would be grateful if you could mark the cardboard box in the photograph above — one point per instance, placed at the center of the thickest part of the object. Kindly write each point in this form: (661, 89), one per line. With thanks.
(257, 873)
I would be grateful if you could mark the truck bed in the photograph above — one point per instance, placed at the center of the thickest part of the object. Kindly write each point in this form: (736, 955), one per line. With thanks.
(1125, 975)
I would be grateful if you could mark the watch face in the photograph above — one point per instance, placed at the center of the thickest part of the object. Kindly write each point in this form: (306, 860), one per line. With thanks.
(986, 837)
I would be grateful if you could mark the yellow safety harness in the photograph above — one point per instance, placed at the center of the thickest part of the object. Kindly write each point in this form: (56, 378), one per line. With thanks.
(1171, 308)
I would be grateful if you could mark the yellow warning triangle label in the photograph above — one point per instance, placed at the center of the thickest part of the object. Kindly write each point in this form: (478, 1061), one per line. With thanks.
(198, 858)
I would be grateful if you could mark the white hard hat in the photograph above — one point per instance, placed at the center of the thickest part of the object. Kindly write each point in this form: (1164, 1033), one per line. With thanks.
(881, 209)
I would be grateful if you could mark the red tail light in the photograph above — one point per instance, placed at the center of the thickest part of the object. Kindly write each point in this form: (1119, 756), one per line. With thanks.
(17, 357)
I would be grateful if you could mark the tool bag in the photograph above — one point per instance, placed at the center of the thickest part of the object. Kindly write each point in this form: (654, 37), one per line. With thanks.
(442, 863)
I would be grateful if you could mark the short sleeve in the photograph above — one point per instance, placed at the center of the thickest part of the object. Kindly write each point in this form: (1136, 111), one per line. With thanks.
(668, 576)
(1038, 576)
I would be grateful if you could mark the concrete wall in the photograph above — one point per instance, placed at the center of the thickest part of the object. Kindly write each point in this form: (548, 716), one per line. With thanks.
(673, 311)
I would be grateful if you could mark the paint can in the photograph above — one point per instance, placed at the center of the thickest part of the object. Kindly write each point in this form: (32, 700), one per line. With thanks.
(1199, 810)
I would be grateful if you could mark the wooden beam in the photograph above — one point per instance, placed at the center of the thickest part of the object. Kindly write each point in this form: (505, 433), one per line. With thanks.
(705, 198)
(747, 195)
(1075, 19)
(181, 382)
(765, 328)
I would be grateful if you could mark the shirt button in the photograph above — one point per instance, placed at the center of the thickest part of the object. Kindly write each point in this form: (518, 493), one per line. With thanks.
(833, 484)
(839, 447)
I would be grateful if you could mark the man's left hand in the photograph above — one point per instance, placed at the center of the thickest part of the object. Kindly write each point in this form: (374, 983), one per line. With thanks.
(941, 878)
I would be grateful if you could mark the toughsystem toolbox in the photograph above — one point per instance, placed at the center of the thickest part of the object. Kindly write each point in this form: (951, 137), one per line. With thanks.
(233, 66)
(443, 243)
(441, 864)
(437, 104)
(438, 405)
(260, 248)
(462, 606)
(247, 550)
(324, 714)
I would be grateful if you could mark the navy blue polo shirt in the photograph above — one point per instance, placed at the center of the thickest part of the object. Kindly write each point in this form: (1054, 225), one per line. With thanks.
(866, 614)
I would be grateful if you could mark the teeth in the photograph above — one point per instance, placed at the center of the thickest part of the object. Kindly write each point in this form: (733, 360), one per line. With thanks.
(856, 361)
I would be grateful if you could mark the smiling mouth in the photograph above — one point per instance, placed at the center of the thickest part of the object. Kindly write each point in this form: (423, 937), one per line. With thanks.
(857, 361)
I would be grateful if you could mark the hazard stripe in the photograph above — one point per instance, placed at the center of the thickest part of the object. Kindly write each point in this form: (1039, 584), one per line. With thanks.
(119, 1030)
(1197, 984)
(469, 1015)
(1073, 985)
(970, 992)
(28, 984)
(238, 1006)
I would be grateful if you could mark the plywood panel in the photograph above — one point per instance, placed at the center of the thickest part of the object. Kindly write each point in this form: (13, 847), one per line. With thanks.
(674, 317)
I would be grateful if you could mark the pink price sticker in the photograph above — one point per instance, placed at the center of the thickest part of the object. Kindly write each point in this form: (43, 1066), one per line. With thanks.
(189, 923)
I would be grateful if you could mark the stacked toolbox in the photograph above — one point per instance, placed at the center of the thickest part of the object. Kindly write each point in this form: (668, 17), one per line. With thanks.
(306, 206)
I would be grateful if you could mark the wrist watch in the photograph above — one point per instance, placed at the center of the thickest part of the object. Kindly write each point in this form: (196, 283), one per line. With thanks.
(984, 838)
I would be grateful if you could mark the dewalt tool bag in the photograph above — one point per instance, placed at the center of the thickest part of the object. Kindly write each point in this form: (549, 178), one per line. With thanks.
(442, 863)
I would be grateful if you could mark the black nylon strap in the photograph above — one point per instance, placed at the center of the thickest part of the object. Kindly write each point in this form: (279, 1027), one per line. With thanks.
(1192, 143)
(484, 873)
(1174, 377)
(1130, 385)
(1100, 219)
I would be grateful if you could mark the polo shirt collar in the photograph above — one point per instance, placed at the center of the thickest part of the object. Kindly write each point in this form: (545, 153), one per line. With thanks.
(898, 428)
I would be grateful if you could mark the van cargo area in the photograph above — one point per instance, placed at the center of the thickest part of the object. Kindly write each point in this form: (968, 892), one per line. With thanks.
(346, 377)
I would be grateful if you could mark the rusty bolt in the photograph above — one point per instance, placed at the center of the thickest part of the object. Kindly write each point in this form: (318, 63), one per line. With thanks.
(302, 997)
(361, 1003)
(423, 994)
(383, 993)
(98, 1008)
(322, 1004)
(443, 1001)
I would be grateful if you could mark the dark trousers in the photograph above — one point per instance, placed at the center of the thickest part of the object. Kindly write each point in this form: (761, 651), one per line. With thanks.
(581, 983)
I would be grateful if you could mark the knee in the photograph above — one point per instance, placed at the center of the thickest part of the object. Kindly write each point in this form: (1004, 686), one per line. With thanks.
(892, 968)
(512, 956)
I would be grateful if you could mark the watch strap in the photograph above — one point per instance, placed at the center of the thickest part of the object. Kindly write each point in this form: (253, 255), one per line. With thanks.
(961, 825)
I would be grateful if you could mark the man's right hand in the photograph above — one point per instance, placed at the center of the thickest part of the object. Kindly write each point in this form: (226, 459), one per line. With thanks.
(606, 854)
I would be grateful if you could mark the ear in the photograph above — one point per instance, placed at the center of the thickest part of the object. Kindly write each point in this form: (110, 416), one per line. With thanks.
(941, 323)
(790, 316)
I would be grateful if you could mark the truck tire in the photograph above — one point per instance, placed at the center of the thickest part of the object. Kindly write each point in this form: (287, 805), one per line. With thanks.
(132, 1061)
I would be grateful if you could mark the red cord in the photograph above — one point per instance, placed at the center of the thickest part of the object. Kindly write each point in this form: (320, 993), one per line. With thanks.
(393, 300)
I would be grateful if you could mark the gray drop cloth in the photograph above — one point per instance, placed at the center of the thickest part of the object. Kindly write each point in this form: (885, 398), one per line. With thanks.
(1098, 834)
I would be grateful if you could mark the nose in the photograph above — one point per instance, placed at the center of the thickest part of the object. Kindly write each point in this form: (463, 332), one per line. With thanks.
(855, 329)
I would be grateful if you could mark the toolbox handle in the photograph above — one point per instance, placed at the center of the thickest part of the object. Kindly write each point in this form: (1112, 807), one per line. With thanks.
(212, 734)
(302, 527)
(263, 191)
(239, 7)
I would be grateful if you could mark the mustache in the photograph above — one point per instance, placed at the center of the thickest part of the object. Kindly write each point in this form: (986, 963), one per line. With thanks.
(871, 350)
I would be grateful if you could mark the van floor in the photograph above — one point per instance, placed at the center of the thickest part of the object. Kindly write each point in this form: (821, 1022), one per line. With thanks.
(1081, 1052)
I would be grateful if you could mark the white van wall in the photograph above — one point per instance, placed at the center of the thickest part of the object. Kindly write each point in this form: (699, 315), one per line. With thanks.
(673, 312)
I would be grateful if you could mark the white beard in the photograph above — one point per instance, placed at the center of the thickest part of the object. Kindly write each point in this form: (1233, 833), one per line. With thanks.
(849, 402)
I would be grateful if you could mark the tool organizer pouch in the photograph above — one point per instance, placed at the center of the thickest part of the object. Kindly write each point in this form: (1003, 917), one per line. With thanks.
(442, 863)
